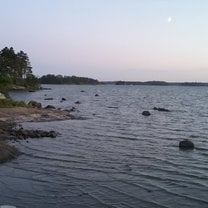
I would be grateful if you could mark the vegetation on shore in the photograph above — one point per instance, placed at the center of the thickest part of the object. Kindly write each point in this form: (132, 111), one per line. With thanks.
(16, 70)
(9, 103)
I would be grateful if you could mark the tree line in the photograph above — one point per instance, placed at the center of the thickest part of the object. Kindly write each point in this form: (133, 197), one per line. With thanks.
(59, 79)
(15, 68)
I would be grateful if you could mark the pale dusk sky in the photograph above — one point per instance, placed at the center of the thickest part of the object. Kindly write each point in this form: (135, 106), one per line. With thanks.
(136, 40)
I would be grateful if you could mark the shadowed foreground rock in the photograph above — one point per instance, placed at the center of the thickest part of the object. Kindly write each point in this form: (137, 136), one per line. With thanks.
(7, 152)
(186, 145)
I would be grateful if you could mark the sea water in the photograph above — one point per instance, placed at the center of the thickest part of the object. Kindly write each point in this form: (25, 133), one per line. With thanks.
(113, 156)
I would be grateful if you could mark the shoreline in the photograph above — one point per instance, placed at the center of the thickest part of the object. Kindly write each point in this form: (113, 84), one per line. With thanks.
(11, 117)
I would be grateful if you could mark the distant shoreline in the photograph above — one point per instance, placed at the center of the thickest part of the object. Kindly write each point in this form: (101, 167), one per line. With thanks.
(147, 83)
(157, 83)
(74, 80)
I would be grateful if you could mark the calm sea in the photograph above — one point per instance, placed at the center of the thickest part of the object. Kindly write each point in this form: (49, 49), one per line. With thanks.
(114, 157)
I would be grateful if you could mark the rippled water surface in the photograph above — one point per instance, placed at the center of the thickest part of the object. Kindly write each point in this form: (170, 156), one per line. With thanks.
(114, 156)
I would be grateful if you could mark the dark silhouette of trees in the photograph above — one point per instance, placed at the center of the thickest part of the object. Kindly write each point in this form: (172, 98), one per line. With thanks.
(15, 65)
(59, 79)
(15, 68)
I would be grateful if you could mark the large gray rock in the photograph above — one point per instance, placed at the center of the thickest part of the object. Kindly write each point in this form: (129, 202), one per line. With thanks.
(146, 113)
(34, 104)
(186, 144)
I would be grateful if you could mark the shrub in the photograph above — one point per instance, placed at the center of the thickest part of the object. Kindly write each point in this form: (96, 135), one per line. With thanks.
(9, 103)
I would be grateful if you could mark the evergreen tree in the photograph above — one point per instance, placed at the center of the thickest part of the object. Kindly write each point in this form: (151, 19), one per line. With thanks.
(16, 67)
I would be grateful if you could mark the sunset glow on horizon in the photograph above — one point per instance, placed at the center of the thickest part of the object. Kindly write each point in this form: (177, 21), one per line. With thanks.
(111, 39)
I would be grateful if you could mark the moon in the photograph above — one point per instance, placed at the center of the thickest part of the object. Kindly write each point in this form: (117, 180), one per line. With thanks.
(169, 19)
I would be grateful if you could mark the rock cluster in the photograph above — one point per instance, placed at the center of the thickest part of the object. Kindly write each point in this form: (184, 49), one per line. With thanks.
(34, 104)
(24, 134)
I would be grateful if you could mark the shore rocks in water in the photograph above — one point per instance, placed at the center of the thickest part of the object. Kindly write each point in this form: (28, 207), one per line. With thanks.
(146, 113)
(77, 102)
(24, 134)
(35, 104)
(45, 88)
(161, 109)
(50, 107)
(96, 95)
(72, 109)
(62, 99)
(48, 99)
(186, 144)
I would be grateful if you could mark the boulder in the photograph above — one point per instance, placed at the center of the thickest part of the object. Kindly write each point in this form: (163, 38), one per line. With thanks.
(34, 104)
(63, 99)
(161, 109)
(48, 99)
(2, 96)
(96, 95)
(77, 102)
(186, 144)
(146, 113)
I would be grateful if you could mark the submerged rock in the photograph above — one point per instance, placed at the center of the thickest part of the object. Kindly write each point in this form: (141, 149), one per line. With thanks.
(34, 104)
(63, 99)
(146, 113)
(161, 109)
(77, 102)
(48, 99)
(186, 144)
(96, 95)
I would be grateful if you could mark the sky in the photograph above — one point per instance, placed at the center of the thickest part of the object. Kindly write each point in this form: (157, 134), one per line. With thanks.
(135, 40)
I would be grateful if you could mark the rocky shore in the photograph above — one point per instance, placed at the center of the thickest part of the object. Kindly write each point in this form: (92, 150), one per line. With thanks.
(9, 130)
